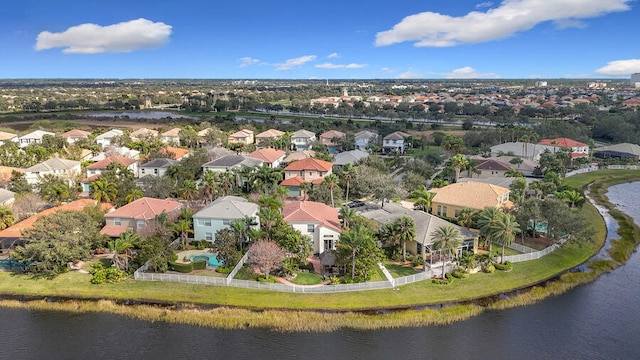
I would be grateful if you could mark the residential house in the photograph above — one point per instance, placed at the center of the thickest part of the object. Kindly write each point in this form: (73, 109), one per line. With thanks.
(204, 136)
(306, 170)
(175, 153)
(218, 152)
(106, 139)
(624, 151)
(365, 138)
(7, 197)
(143, 134)
(221, 213)
(302, 139)
(156, 167)
(426, 225)
(243, 136)
(140, 216)
(349, 157)
(395, 141)
(449, 200)
(299, 155)
(331, 139)
(268, 137)
(6, 173)
(521, 149)
(94, 170)
(315, 219)
(230, 162)
(578, 149)
(74, 135)
(114, 150)
(269, 156)
(171, 136)
(7, 136)
(63, 168)
(34, 137)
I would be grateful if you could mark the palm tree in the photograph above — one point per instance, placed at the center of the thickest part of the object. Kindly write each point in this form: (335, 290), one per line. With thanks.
(346, 216)
(182, 227)
(423, 199)
(133, 195)
(513, 173)
(347, 172)
(6, 217)
(104, 190)
(405, 226)
(56, 193)
(331, 181)
(465, 217)
(271, 202)
(120, 245)
(504, 230)
(226, 182)
(447, 239)
(188, 189)
(268, 219)
(209, 185)
(486, 219)
(352, 240)
(305, 188)
(571, 197)
(459, 162)
(266, 178)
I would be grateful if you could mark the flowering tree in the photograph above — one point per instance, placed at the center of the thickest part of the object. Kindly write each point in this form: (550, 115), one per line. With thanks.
(266, 255)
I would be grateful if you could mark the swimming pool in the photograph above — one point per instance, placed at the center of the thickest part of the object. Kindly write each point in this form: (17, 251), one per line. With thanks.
(211, 259)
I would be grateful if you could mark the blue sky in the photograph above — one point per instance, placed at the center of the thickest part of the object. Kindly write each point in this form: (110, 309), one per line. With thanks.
(331, 39)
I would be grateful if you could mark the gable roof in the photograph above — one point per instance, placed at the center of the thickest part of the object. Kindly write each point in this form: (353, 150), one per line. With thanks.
(76, 133)
(268, 155)
(349, 157)
(562, 142)
(309, 164)
(228, 207)
(241, 134)
(110, 134)
(271, 133)
(397, 135)
(145, 208)
(38, 134)
(295, 181)
(104, 163)
(4, 136)
(493, 164)
(143, 132)
(175, 132)
(627, 148)
(311, 212)
(299, 155)
(159, 163)
(471, 194)
(53, 164)
(303, 134)
(225, 161)
(365, 134)
(174, 152)
(328, 135)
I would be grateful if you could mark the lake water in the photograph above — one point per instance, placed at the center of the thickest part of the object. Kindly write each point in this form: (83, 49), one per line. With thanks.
(600, 320)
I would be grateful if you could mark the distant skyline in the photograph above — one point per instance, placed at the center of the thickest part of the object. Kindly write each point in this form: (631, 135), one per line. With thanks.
(286, 39)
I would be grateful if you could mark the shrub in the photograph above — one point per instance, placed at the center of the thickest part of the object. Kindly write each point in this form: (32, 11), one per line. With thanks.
(488, 268)
(262, 278)
(504, 267)
(460, 274)
(103, 275)
(181, 268)
(224, 270)
(447, 280)
(417, 261)
(199, 264)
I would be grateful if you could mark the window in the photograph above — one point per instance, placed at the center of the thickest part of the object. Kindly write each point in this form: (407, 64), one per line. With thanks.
(208, 236)
(117, 221)
(439, 211)
(328, 244)
(311, 228)
(444, 211)
(204, 222)
(456, 213)
(226, 222)
(302, 173)
(139, 224)
(155, 171)
(142, 171)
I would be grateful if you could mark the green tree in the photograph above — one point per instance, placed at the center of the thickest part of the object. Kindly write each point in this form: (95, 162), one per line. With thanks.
(182, 228)
(405, 226)
(459, 162)
(358, 247)
(103, 190)
(486, 220)
(225, 248)
(466, 217)
(346, 216)
(447, 239)
(504, 231)
(6, 217)
(331, 181)
(422, 198)
(208, 185)
(133, 195)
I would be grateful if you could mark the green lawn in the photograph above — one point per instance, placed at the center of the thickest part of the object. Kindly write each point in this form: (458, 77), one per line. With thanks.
(307, 278)
(398, 270)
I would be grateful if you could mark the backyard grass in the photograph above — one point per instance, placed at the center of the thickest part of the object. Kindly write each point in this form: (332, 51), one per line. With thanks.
(398, 270)
(307, 278)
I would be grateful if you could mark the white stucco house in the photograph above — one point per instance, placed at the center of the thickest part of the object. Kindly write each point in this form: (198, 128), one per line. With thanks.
(106, 139)
(315, 219)
(220, 214)
(66, 169)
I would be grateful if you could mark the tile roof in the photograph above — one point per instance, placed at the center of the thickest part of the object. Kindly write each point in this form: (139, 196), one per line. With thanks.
(562, 142)
(114, 230)
(271, 133)
(303, 134)
(175, 152)
(4, 136)
(175, 132)
(398, 135)
(292, 182)
(145, 208)
(299, 155)
(75, 133)
(159, 163)
(471, 194)
(311, 212)
(244, 133)
(626, 148)
(309, 164)
(15, 230)
(225, 161)
(143, 132)
(38, 134)
(493, 164)
(349, 157)
(268, 155)
(109, 134)
(103, 164)
(328, 135)
(53, 164)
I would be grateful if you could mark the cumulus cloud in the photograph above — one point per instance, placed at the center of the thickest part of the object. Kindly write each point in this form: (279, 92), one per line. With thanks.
(299, 61)
(620, 68)
(341, 66)
(510, 17)
(121, 37)
(409, 75)
(468, 72)
(247, 60)
(334, 55)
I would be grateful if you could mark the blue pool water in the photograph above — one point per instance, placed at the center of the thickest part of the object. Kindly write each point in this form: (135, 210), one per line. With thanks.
(211, 259)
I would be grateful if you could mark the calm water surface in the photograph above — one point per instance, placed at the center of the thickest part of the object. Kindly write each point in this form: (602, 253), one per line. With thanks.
(600, 320)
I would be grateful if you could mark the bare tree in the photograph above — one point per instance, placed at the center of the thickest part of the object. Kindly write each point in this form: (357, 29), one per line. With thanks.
(266, 255)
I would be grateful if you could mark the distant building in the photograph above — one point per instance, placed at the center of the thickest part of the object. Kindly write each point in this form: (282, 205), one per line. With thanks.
(635, 79)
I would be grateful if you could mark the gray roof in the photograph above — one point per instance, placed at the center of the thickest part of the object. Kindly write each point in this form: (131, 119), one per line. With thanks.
(426, 223)
(6, 196)
(303, 134)
(228, 207)
(626, 148)
(398, 135)
(218, 152)
(349, 157)
(518, 149)
(159, 163)
(225, 161)
(365, 134)
(53, 164)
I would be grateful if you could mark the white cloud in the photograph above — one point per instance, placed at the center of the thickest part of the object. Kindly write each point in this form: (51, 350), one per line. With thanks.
(341, 66)
(299, 61)
(485, 4)
(409, 75)
(620, 68)
(334, 55)
(512, 16)
(247, 60)
(388, 70)
(468, 72)
(121, 37)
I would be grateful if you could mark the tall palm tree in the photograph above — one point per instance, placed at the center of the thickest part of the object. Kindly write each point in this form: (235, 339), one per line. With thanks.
(133, 195)
(423, 198)
(346, 216)
(447, 239)
(331, 181)
(504, 230)
(465, 217)
(188, 189)
(459, 162)
(352, 241)
(486, 219)
(348, 172)
(209, 185)
(6, 217)
(104, 190)
(266, 178)
(182, 228)
(305, 188)
(268, 220)
(226, 182)
(571, 197)
(406, 229)
(271, 202)
(56, 193)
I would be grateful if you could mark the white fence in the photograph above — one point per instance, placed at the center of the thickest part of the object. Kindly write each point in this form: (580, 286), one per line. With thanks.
(595, 168)
(532, 255)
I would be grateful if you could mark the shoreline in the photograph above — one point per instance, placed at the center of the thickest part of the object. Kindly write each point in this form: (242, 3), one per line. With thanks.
(228, 316)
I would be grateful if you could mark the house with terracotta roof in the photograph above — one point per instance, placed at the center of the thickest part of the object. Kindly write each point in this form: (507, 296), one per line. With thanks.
(74, 135)
(269, 135)
(34, 137)
(578, 149)
(106, 139)
(140, 216)
(395, 141)
(306, 170)
(302, 139)
(171, 136)
(94, 170)
(143, 134)
(315, 219)
(220, 214)
(269, 156)
(449, 200)
(7, 136)
(330, 139)
(175, 153)
(63, 168)
(14, 233)
(244, 136)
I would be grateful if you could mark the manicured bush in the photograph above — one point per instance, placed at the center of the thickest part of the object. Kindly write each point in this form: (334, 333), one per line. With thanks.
(488, 268)
(262, 278)
(199, 264)
(447, 280)
(504, 267)
(460, 274)
(182, 268)
(103, 275)
(224, 270)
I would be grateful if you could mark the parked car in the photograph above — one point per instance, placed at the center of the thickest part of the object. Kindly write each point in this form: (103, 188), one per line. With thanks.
(355, 203)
